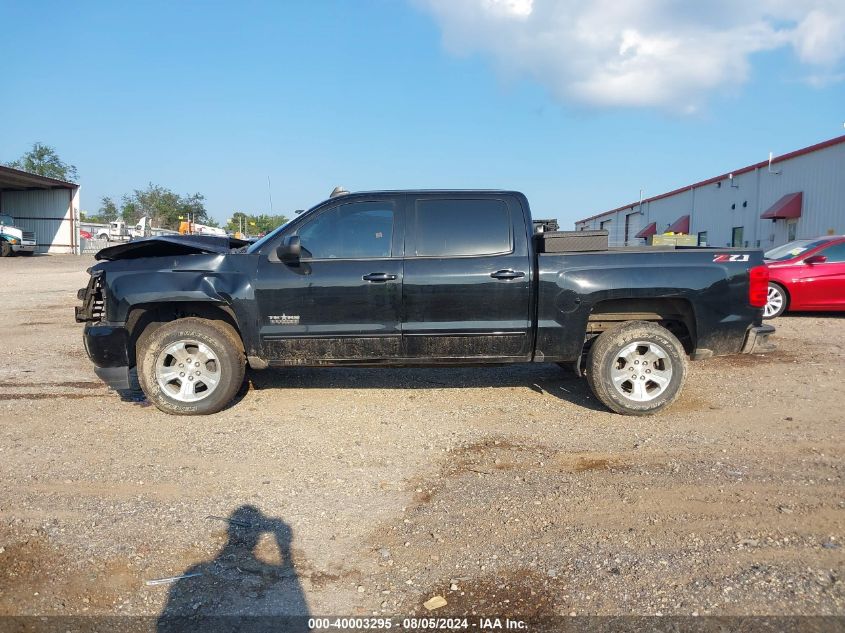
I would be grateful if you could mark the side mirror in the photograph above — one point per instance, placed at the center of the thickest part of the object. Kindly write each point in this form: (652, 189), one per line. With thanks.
(815, 259)
(290, 250)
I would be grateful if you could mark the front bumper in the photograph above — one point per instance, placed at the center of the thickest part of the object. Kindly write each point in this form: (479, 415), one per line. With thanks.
(757, 340)
(107, 346)
(24, 247)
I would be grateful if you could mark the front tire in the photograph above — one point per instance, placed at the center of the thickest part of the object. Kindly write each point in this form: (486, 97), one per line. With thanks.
(6, 249)
(776, 301)
(636, 368)
(191, 366)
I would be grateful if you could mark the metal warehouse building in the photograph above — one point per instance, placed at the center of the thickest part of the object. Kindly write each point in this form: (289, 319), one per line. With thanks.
(797, 195)
(46, 206)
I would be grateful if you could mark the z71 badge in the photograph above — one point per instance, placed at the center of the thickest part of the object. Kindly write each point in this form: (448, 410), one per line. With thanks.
(730, 258)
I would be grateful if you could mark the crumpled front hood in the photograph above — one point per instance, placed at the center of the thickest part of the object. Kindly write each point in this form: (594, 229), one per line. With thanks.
(170, 246)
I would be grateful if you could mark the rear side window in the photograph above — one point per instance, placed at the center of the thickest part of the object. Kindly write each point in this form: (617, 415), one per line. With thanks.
(455, 228)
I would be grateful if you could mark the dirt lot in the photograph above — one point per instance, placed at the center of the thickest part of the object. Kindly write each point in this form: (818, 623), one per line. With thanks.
(505, 490)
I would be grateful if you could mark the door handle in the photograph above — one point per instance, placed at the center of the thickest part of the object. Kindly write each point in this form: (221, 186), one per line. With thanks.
(379, 277)
(507, 274)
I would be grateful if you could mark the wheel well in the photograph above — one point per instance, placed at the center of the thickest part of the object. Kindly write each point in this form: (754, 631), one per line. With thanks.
(146, 316)
(783, 290)
(676, 315)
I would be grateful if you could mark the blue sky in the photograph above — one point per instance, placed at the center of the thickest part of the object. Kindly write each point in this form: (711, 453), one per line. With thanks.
(214, 97)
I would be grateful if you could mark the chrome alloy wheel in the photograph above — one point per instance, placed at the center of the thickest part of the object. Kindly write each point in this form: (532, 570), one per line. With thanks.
(187, 371)
(641, 371)
(774, 302)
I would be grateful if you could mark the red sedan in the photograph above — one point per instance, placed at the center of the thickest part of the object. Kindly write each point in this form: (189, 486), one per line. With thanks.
(806, 275)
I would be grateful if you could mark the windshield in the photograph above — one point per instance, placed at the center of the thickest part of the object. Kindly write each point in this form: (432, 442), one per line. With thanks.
(255, 246)
(792, 249)
(7, 220)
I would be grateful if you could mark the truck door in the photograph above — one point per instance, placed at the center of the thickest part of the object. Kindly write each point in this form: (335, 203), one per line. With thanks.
(467, 284)
(342, 300)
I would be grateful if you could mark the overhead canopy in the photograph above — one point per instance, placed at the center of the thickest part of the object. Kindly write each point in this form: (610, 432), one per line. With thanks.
(17, 180)
(648, 231)
(681, 225)
(789, 206)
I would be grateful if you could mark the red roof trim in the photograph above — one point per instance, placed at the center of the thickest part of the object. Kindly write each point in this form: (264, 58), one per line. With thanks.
(777, 159)
(648, 231)
(789, 206)
(681, 225)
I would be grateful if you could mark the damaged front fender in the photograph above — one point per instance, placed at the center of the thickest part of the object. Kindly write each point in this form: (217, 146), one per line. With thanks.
(182, 283)
(196, 279)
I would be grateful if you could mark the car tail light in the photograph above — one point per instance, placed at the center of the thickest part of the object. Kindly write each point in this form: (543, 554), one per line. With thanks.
(758, 286)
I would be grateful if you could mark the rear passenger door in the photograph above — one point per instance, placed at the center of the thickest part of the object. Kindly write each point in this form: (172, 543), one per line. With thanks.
(467, 286)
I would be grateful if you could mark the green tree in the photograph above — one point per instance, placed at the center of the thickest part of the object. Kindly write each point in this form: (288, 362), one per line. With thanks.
(44, 161)
(238, 221)
(164, 207)
(128, 210)
(266, 223)
(108, 209)
(195, 206)
(254, 224)
(107, 212)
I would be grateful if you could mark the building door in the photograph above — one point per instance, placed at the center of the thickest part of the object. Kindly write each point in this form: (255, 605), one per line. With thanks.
(467, 279)
(736, 237)
(605, 225)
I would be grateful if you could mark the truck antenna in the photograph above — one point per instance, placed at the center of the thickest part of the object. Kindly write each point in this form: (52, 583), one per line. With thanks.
(270, 194)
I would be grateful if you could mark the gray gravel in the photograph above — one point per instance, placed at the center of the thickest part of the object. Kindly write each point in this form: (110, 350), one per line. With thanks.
(505, 490)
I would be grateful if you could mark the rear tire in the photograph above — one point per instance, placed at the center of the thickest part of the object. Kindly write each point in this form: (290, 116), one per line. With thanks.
(190, 366)
(776, 301)
(636, 368)
(6, 249)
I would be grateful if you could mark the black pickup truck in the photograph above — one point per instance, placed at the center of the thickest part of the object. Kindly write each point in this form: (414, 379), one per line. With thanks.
(403, 278)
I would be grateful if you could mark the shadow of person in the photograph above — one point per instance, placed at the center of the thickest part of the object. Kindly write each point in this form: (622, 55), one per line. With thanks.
(237, 590)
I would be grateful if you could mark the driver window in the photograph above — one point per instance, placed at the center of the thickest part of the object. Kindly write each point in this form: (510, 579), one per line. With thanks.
(356, 230)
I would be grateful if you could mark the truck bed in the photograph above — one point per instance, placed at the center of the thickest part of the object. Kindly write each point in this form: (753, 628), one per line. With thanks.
(704, 289)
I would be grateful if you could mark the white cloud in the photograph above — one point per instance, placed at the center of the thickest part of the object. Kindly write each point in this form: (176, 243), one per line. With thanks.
(820, 37)
(824, 80)
(642, 53)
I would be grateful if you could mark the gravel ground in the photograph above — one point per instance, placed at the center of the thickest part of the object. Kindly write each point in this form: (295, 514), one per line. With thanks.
(507, 491)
